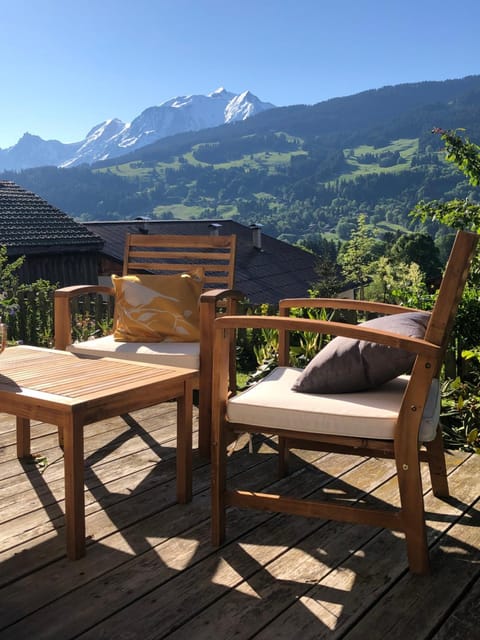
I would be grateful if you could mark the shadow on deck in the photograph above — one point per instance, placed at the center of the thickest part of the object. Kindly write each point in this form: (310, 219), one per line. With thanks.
(151, 572)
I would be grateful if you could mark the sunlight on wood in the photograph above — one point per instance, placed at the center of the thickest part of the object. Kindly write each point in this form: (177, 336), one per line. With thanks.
(339, 584)
(118, 545)
(260, 552)
(227, 576)
(181, 559)
(327, 612)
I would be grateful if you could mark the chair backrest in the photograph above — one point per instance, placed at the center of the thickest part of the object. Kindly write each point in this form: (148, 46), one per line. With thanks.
(427, 366)
(172, 254)
(451, 290)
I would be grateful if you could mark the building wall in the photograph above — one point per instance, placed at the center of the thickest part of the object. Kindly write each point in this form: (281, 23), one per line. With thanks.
(64, 269)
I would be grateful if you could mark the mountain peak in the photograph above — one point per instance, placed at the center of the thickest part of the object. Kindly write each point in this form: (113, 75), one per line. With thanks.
(221, 91)
(113, 137)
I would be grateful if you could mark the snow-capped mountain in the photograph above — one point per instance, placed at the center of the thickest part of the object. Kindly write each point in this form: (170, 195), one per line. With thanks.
(113, 137)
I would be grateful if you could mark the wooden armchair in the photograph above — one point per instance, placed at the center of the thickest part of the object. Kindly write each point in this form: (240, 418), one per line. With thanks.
(398, 419)
(165, 254)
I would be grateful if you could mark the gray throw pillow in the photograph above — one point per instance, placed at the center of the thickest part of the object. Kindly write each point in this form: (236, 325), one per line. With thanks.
(346, 365)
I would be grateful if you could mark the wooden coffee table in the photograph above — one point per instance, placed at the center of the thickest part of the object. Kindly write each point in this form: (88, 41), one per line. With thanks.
(70, 391)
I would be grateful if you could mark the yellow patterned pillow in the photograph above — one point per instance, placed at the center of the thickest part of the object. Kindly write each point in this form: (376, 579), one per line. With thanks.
(152, 308)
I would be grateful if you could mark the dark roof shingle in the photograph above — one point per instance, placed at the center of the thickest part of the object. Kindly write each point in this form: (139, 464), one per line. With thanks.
(277, 270)
(28, 221)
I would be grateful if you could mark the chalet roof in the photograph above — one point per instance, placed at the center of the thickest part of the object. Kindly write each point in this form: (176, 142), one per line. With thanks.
(29, 224)
(265, 275)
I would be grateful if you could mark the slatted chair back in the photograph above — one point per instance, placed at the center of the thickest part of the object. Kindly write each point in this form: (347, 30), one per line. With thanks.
(173, 254)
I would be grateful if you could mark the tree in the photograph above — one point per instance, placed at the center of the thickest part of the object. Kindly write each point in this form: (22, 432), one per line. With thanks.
(330, 281)
(459, 214)
(419, 248)
(463, 153)
(399, 283)
(358, 254)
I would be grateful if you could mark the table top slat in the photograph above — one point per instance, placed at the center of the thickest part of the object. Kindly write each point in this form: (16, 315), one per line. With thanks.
(64, 374)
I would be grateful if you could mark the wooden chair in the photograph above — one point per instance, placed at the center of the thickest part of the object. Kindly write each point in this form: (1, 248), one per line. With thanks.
(165, 254)
(300, 420)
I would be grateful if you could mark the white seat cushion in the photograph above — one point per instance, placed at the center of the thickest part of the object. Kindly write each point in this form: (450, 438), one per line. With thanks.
(174, 354)
(366, 414)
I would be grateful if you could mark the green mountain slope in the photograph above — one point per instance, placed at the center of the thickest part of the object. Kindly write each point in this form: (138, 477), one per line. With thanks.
(300, 170)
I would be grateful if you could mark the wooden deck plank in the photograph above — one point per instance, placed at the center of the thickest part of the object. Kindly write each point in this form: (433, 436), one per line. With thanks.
(422, 603)
(339, 600)
(246, 596)
(296, 573)
(464, 618)
(144, 578)
(151, 572)
(109, 465)
(139, 537)
(106, 480)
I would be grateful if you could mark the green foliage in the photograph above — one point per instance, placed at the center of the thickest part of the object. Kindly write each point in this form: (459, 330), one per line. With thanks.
(257, 349)
(399, 283)
(92, 317)
(419, 248)
(457, 214)
(264, 344)
(467, 323)
(266, 354)
(306, 344)
(8, 285)
(33, 323)
(462, 153)
(27, 309)
(460, 417)
(461, 393)
(356, 255)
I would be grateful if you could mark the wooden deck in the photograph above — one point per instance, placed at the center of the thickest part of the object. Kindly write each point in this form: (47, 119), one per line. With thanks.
(151, 572)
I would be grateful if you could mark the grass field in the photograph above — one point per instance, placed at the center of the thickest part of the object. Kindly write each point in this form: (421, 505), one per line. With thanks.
(406, 147)
(184, 212)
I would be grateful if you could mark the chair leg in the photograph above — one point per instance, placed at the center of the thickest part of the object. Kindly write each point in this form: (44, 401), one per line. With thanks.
(23, 437)
(283, 457)
(417, 549)
(60, 437)
(184, 446)
(204, 422)
(413, 517)
(219, 485)
(437, 466)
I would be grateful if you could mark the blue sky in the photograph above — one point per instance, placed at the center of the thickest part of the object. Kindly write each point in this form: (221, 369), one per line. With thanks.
(68, 65)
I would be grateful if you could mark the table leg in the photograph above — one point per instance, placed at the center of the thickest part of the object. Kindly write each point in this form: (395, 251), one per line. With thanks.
(184, 444)
(23, 437)
(74, 491)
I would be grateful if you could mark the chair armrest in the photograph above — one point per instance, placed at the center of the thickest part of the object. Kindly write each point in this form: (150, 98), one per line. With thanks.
(341, 303)
(414, 345)
(212, 296)
(82, 289)
(208, 312)
(62, 311)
